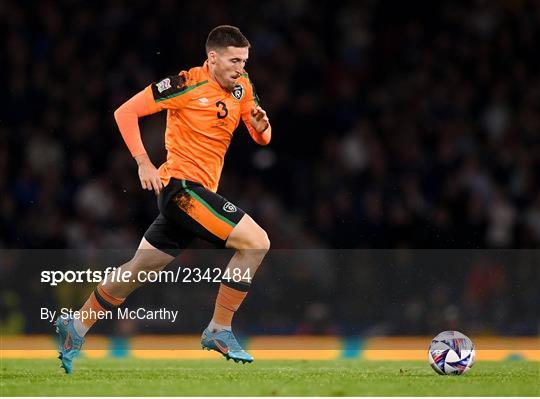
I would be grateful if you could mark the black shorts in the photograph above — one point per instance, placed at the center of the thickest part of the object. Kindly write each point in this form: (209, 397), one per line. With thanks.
(188, 210)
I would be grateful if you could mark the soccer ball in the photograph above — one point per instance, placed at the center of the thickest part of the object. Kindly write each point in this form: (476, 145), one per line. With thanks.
(451, 353)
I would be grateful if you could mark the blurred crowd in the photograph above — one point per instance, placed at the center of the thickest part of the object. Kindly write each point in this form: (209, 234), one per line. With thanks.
(402, 126)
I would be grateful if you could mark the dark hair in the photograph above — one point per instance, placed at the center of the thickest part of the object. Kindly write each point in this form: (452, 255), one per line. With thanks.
(224, 36)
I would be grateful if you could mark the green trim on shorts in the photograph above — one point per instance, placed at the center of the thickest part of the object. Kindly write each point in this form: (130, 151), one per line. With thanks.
(207, 205)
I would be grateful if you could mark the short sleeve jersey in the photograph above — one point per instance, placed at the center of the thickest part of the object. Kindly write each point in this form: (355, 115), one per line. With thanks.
(201, 119)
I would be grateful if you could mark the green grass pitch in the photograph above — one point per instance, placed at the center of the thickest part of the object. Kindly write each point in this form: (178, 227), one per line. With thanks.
(133, 377)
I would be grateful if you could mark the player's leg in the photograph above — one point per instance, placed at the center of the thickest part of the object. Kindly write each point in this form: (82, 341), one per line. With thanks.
(108, 295)
(209, 216)
(251, 243)
(217, 220)
(147, 258)
(161, 243)
(111, 293)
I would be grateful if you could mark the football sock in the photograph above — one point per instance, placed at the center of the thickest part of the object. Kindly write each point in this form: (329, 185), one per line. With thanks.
(213, 326)
(230, 297)
(99, 300)
(81, 328)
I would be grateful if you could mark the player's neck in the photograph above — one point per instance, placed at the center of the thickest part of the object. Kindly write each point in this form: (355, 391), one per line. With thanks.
(213, 76)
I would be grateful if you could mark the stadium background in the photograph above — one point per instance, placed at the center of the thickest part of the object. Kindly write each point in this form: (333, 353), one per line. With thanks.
(395, 126)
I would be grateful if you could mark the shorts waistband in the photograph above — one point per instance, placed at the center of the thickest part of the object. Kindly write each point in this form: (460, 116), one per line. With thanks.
(185, 183)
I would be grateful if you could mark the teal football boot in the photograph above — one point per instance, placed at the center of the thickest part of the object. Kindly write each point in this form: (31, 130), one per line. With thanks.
(224, 342)
(69, 342)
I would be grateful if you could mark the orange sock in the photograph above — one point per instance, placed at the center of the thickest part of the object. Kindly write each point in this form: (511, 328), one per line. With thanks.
(228, 301)
(99, 300)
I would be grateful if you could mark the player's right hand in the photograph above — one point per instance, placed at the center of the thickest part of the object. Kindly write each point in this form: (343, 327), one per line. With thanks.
(148, 174)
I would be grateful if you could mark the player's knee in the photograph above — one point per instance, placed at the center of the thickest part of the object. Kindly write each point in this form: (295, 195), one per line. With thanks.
(265, 241)
(258, 240)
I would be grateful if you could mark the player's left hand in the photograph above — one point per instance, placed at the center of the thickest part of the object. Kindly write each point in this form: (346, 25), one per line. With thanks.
(259, 120)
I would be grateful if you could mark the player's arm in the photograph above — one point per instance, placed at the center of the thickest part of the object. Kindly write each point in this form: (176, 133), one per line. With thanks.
(156, 97)
(255, 118)
(127, 118)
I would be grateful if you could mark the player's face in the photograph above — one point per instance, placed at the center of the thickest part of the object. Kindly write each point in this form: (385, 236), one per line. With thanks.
(228, 65)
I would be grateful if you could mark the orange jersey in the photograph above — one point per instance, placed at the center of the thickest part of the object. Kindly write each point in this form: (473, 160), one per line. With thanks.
(201, 119)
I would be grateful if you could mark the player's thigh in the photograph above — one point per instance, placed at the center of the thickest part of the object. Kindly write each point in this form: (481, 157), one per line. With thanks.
(202, 213)
(164, 236)
(248, 235)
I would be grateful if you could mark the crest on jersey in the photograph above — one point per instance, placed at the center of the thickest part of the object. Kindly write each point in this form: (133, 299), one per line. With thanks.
(164, 85)
(228, 207)
(238, 91)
